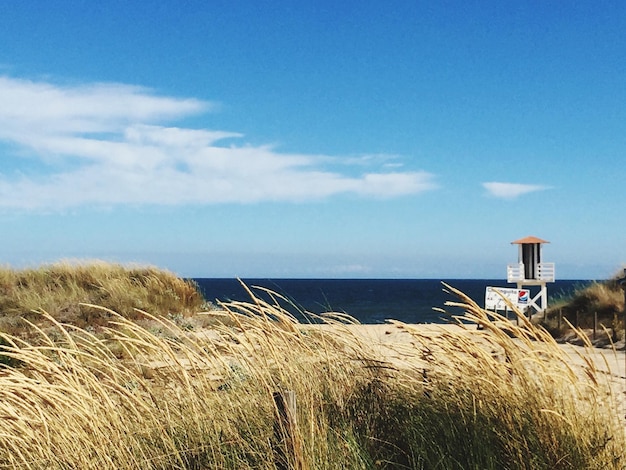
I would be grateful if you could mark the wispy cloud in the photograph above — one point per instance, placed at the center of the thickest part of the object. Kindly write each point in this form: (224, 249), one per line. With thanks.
(511, 190)
(108, 144)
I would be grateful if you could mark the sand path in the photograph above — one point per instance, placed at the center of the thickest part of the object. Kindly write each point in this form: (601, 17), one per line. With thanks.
(392, 343)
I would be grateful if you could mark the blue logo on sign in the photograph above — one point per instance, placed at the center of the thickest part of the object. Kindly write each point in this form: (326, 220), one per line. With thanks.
(522, 296)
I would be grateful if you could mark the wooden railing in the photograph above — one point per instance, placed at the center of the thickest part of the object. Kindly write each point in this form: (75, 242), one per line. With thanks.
(515, 272)
(545, 272)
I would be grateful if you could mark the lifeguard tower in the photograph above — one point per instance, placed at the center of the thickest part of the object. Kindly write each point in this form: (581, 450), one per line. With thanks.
(531, 271)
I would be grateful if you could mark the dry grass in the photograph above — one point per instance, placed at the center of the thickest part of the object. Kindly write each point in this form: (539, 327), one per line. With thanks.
(602, 300)
(65, 290)
(504, 397)
(181, 400)
(512, 392)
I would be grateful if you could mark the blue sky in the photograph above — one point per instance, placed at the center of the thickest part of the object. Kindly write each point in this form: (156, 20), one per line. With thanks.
(397, 139)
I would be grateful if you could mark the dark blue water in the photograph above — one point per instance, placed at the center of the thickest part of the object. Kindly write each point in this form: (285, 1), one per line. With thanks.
(371, 300)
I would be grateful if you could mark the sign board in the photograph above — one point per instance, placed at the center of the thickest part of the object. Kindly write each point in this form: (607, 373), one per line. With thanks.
(520, 298)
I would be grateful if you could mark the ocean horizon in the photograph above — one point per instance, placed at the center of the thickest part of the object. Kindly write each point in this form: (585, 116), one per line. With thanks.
(370, 301)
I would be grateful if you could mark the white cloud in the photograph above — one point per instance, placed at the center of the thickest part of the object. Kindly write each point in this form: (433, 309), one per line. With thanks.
(35, 109)
(511, 190)
(108, 144)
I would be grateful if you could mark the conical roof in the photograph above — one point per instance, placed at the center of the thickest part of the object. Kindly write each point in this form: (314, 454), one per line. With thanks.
(528, 240)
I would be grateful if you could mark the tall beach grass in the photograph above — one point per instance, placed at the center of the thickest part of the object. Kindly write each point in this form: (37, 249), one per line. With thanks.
(505, 396)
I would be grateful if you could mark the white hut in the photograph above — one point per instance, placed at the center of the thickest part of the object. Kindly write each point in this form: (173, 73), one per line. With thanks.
(530, 270)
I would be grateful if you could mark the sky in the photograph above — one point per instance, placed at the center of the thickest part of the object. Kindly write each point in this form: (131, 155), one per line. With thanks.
(314, 139)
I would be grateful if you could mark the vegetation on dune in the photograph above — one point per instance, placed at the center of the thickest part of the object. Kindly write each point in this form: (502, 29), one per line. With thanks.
(66, 292)
(601, 301)
(503, 397)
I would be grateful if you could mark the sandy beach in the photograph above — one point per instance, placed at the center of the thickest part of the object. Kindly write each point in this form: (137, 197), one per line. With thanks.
(394, 342)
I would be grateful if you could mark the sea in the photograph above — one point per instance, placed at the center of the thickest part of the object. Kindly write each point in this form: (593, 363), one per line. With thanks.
(370, 301)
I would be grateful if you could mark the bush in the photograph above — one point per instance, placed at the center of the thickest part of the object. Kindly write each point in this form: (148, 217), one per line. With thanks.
(606, 299)
(67, 291)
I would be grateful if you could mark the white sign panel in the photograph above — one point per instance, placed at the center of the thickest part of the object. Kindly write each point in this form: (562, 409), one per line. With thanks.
(520, 298)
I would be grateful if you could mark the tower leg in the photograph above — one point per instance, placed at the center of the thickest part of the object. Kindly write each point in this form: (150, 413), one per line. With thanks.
(540, 301)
